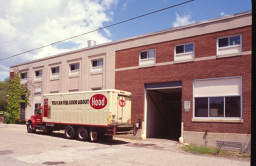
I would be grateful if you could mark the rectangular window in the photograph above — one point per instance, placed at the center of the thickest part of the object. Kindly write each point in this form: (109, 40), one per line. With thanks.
(97, 63)
(55, 70)
(216, 106)
(232, 106)
(230, 44)
(201, 107)
(227, 106)
(147, 57)
(186, 48)
(96, 89)
(147, 54)
(23, 75)
(97, 66)
(74, 67)
(38, 74)
(229, 41)
(218, 97)
(184, 51)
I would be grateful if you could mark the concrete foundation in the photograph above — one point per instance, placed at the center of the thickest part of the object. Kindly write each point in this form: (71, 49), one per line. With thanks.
(209, 139)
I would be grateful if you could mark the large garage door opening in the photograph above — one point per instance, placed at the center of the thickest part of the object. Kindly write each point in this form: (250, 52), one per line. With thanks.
(164, 113)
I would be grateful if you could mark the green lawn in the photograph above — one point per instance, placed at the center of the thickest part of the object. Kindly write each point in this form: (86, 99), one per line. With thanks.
(206, 150)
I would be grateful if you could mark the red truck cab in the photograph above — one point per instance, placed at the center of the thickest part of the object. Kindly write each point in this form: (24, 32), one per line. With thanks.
(35, 119)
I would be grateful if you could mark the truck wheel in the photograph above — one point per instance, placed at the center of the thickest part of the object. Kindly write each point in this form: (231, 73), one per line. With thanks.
(82, 134)
(30, 128)
(69, 132)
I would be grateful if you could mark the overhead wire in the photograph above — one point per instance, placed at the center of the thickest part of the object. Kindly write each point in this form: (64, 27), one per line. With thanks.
(97, 30)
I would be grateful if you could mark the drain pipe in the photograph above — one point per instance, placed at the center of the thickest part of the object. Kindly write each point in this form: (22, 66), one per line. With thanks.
(181, 140)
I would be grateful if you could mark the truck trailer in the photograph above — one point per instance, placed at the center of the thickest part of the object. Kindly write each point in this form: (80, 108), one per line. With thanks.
(87, 115)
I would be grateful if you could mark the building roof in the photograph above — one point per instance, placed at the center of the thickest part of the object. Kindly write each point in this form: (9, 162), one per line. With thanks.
(144, 35)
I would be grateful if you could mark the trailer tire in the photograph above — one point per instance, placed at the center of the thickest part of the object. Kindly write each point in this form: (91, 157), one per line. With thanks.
(30, 128)
(82, 134)
(69, 132)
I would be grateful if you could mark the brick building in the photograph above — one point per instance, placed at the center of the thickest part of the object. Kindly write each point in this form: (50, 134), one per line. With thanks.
(191, 82)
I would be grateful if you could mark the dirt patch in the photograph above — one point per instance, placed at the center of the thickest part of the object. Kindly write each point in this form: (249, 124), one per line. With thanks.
(5, 152)
(54, 162)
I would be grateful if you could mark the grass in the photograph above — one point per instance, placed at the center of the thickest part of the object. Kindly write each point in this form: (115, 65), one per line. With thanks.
(211, 151)
(244, 156)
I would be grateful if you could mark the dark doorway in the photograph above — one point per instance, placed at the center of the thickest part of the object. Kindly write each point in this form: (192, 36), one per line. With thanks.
(22, 111)
(164, 113)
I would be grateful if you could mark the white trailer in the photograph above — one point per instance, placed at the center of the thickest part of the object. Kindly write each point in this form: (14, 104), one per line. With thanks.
(100, 113)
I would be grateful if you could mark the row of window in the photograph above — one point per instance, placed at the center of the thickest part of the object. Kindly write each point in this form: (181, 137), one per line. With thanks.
(73, 68)
(225, 45)
(218, 106)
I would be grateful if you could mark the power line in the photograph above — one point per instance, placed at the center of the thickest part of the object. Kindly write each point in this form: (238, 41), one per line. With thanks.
(97, 29)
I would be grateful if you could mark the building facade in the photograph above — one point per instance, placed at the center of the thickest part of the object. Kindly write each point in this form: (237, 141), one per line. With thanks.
(191, 83)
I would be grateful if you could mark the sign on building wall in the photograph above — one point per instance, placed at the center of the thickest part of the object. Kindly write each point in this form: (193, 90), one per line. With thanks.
(37, 90)
(187, 105)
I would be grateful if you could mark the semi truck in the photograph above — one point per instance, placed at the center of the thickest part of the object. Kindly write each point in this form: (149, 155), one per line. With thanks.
(86, 115)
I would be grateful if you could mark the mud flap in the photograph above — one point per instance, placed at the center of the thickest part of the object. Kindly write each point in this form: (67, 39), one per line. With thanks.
(93, 136)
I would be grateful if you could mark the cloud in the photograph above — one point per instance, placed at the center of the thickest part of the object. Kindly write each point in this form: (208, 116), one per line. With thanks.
(4, 72)
(223, 14)
(125, 4)
(29, 24)
(182, 20)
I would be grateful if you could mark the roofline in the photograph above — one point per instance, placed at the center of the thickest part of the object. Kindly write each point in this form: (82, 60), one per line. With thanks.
(96, 91)
(141, 36)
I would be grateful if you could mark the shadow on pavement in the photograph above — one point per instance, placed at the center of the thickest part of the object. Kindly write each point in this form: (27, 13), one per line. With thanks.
(111, 142)
(108, 141)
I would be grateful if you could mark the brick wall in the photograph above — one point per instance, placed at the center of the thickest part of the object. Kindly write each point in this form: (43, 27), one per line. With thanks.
(205, 45)
(133, 80)
(11, 75)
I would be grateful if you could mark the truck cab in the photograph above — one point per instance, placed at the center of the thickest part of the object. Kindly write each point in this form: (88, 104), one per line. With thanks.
(35, 120)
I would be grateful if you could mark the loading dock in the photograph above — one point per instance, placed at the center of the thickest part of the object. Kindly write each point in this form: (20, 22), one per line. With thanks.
(163, 104)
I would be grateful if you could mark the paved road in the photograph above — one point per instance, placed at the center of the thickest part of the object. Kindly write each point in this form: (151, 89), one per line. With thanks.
(17, 147)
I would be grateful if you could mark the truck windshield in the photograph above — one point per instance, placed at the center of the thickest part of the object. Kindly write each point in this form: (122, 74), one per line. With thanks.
(39, 111)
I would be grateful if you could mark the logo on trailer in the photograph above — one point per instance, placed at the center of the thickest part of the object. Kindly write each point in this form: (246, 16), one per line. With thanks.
(98, 101)
(122, 103)
(46, 107)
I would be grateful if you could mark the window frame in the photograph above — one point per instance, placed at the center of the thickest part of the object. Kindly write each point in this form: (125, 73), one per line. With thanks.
(75, 67)
(96, 88)
(98, 68)
(184, 53)
(217, 118)
(75, 71)
(26, 74)
(229, 46)
(97, 63)
(224, 107)
(36, 104)
(148, 58)
(40, 76)
(55, 75)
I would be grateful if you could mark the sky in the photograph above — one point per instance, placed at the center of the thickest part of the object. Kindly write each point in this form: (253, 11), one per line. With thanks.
(29, 24)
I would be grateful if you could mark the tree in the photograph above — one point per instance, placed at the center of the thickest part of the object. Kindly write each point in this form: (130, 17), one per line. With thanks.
(14, 100)
(4, 88)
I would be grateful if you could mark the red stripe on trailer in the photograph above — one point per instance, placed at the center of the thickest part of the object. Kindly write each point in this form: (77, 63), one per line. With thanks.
(77, 124)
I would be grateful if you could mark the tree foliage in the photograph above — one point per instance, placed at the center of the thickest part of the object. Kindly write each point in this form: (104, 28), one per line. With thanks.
(14, 100)
(4, 88)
